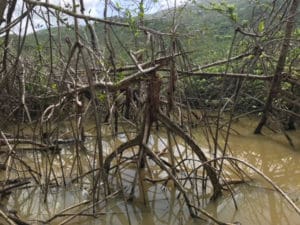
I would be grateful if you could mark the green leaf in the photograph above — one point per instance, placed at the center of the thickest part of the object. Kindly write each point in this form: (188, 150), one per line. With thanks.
(120, 76)
(101, 97)
(297, 31)
(261, 26)
(245, 23)
(118, 6)
(234, 17)
(54, 87)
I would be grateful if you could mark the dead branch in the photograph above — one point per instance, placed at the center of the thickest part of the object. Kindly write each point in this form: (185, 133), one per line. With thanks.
(221, 62)
(113, 87)
(225, 75)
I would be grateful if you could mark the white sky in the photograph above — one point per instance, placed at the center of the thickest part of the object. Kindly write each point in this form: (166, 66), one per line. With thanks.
(95, 8)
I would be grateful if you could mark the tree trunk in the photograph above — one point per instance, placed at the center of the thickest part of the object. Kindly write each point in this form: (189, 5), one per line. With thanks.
(275, 86)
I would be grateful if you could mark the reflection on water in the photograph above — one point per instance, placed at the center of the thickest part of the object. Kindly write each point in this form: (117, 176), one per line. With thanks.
(256, 206)
(158, 203)
(29, 201)
(271, 153)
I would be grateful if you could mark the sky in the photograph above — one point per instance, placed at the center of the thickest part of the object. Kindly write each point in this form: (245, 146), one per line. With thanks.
(95, 8)
(96, 4)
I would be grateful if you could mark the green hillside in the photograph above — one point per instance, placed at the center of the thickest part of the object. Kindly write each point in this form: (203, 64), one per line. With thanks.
(206, 33)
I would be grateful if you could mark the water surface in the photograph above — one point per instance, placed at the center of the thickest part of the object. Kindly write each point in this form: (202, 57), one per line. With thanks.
(158, 204)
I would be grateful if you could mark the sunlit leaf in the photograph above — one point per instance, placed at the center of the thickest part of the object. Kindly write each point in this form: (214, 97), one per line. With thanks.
(261, 26)
(54, 87)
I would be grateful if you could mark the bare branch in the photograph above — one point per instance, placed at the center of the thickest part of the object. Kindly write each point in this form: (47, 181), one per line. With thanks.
(230, 75)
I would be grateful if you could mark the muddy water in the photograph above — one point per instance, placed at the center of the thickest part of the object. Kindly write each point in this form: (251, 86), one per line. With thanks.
(157, 204)
(272, 154)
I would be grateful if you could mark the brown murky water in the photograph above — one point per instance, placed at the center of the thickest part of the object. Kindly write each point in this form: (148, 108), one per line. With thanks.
(157, 204)
(272, 154)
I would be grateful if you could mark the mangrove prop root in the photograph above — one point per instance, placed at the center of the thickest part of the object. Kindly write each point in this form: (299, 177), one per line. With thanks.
(195, 148)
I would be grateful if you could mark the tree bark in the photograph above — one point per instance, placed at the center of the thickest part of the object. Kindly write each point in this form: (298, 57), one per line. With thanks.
(275, 86)
(3, 5)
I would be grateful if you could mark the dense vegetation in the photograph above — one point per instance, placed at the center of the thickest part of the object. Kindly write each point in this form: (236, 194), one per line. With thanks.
(209, 31)
(203, 63)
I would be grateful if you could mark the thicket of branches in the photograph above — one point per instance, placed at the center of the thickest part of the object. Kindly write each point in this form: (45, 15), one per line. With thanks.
(146, 79)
